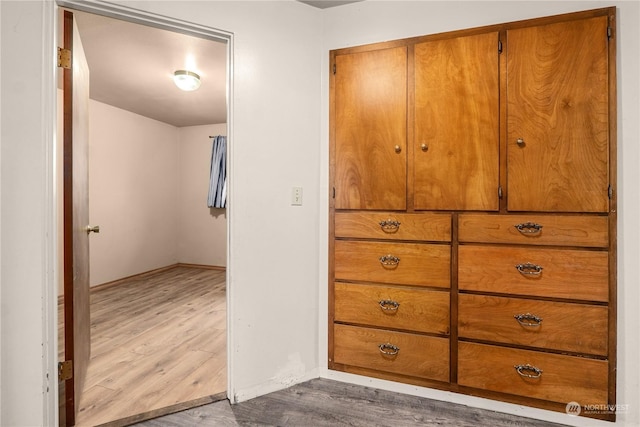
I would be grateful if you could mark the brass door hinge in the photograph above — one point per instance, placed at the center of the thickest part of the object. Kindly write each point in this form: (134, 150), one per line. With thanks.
(499, 46)
(65, 370)
(64, 58)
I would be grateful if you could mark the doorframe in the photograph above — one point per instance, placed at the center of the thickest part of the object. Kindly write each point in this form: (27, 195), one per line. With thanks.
(50, 317)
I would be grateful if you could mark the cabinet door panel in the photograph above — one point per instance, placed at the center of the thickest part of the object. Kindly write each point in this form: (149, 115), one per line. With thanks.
(370, 131)
(456, 123)
(557, 104)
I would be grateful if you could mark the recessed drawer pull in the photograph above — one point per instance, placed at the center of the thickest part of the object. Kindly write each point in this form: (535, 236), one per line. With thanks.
(528, 269)
(389, 260)
(529, 228)
(389, 225)
(528, 319)
(528, 371)
(389, 305)
(388, 349)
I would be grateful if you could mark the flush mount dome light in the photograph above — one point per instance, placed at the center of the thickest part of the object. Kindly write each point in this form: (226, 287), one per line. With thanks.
(186, 80)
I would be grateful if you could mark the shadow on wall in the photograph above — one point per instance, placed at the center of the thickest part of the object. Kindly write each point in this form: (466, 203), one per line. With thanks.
(218, 212)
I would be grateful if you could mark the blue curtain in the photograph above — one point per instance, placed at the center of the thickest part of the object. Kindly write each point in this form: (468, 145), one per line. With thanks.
(218, 177)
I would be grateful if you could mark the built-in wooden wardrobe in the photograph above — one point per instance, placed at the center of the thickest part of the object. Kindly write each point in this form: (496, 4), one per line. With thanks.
(473, 212)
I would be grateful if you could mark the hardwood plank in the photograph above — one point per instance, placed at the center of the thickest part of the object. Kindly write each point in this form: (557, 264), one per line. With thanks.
(323, 402)
(158, 342)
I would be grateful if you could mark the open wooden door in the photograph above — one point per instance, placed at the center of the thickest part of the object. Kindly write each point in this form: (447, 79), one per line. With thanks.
(76, 218)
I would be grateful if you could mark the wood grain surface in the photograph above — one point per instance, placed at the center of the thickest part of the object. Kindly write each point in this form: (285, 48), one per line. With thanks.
(578, 328)
(418, 309)
(417, 355)
(565, 230)
(572, 274)
(428, 227)
(371, 117)
(418, 265)
(557, 102)
(563, 379)
(456, 118)
(158, 340)
(326, 403)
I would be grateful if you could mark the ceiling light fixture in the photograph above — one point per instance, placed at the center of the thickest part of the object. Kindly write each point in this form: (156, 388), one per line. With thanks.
(186, 80)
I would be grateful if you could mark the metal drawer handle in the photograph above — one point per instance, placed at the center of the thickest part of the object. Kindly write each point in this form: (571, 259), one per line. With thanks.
(389, 305)
(388, 349)
(529, 228)
(528, 269)
(389, 225)
(389, 260)
(528, 319)
(522, 369)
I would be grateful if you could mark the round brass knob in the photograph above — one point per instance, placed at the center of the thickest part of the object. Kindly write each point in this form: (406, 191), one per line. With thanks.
(520, 142)
(398, 149)
(424, 147)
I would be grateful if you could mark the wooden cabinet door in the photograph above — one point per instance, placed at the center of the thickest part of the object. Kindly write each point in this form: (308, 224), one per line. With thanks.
(557, 117)
(456, 153)
(371, 129)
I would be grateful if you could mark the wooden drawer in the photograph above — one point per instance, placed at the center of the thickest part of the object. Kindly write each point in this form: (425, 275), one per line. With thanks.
(419, 264)
(417, 355)
(563, 378)
(417, 309)
(396, 226)
(572, 274)
(569, 327)
(587, 231)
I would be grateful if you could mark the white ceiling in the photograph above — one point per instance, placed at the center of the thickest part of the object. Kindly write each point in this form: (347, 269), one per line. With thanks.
(131, 67)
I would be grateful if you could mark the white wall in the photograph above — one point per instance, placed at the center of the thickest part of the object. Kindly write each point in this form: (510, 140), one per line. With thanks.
(202, 231)
(28, 227)
(133, 192)
(275, 145)
(148, 184)
(0, 231)
(278, 261)
(376, 21)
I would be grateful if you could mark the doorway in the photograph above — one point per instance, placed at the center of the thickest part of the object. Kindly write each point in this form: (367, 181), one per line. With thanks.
(113, 278)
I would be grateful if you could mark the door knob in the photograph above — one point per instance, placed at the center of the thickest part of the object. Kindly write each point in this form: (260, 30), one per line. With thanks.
(95, 229)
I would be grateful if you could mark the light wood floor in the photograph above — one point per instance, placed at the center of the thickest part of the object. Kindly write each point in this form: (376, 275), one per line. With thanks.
(156, 341)
(322, 402)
